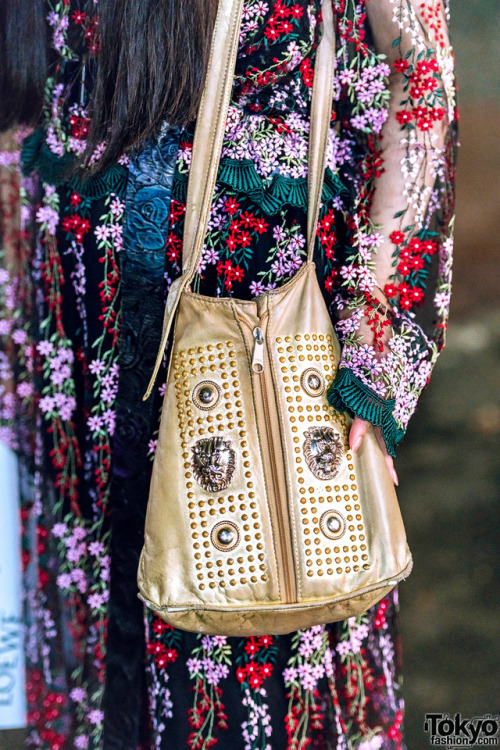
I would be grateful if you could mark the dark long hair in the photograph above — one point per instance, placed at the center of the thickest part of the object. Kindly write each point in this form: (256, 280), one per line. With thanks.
(23, 61)
(152, 63)
(151, 67)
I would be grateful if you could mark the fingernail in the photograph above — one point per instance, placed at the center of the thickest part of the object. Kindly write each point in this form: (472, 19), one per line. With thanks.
(356, 444)
(395, 478)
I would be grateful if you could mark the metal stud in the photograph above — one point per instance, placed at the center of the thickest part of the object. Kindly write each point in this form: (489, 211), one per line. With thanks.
(225, 536)
(334, 524)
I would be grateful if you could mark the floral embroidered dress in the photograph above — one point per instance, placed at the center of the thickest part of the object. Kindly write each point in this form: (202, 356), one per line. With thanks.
(83, 291)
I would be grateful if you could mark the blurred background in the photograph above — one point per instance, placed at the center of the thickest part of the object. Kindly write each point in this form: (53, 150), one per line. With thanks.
(449, 463)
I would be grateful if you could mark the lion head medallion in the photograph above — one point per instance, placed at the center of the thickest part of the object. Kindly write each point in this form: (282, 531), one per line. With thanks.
(213, 462)
(323, 451)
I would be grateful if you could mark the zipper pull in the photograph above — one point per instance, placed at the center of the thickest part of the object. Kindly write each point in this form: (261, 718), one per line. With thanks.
(258, 351)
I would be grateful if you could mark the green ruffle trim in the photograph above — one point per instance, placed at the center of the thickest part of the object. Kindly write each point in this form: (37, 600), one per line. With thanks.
(35, 154)
(179, 187)
(348, 393)
(243, 178)
(240, 174)
(113, 180)
(57, 170)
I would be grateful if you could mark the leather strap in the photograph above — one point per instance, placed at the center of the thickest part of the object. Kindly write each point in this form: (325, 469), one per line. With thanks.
(209, 136)
(205, 157)
(321, 114)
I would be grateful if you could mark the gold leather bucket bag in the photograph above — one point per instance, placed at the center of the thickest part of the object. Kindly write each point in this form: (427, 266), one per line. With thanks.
(260, 519)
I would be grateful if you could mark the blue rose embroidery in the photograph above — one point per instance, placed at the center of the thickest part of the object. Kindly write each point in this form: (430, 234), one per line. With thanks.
(149, 217)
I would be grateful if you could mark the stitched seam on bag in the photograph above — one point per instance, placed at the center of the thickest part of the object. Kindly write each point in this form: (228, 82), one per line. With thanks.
(296, 572)
(219, 300)
(401, 575)
(284, 289)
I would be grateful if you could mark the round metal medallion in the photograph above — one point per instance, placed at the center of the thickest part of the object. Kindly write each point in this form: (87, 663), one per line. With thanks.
(332, 524)
(313, 382)
(206, 395)
(225, 536)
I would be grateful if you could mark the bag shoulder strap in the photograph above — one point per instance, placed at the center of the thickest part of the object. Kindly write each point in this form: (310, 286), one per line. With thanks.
(209, 136)
(210, 131)
(205, 156)
(321, 114)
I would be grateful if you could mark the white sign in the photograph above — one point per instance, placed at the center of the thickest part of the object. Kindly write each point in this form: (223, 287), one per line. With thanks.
(12, 690)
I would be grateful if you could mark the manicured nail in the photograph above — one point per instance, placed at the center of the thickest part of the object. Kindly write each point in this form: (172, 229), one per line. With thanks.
(395, 478)
(356, 444)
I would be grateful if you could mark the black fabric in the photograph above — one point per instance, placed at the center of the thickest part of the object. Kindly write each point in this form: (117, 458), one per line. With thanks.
(142, 267)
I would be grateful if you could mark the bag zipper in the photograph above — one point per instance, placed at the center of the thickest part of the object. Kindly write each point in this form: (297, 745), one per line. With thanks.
(279, 502)
(258, 351)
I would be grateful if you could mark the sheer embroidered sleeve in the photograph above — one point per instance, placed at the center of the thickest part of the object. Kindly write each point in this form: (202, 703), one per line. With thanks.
(395, 274)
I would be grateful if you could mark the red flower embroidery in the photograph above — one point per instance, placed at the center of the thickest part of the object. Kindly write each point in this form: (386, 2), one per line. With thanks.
(397, 237)
(307, 72)
(232, 205)
(404, 117)
(401, 65)
(78, 17)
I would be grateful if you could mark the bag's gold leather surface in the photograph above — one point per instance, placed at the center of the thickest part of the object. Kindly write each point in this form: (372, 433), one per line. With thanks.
(260, 519)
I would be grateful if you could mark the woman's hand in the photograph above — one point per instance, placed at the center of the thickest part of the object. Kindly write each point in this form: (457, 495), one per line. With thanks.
(356, 435)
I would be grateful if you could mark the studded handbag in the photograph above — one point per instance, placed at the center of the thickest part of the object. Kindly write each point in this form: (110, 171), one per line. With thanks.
(260, 519)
